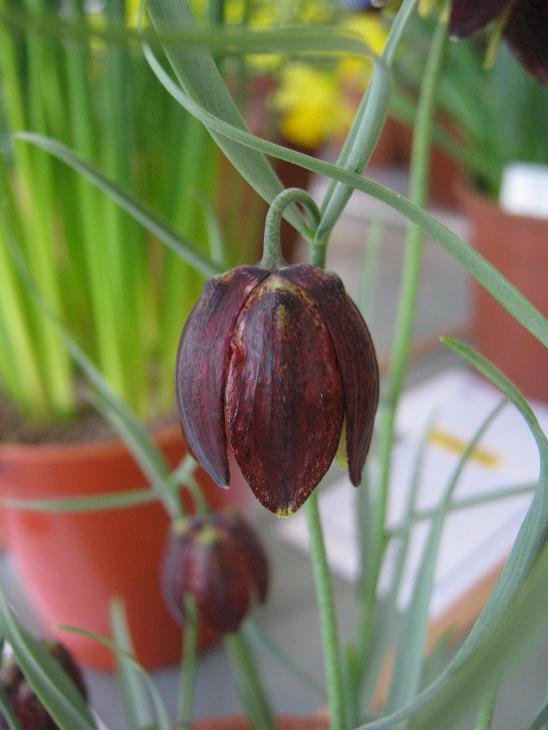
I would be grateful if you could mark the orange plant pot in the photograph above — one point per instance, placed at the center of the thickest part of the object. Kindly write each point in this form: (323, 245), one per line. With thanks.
(518, 247)
(284, 723)
(72, 564)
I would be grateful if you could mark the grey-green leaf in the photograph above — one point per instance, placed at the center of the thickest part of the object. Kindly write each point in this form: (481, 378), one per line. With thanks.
(53, 687)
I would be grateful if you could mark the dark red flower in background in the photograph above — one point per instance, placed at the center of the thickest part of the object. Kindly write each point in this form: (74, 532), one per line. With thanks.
(27, 707)
(525, 28)
(276, 360)
(218, 560)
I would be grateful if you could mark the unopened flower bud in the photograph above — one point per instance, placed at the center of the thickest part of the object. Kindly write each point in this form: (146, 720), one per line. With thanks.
(276, 360)
(218, 561)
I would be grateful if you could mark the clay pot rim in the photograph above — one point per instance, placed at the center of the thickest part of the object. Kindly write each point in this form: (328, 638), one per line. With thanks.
(76, 450)
(476, 201)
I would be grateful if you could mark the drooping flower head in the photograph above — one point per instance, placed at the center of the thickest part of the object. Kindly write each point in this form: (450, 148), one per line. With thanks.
(217, 560)
(525, 27)
(274, 361)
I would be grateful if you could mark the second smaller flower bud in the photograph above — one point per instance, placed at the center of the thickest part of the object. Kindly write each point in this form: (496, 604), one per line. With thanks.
(217, 560)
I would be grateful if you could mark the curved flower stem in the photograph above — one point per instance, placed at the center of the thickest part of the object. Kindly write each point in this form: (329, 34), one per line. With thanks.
(328, 621)
(420, 166)
(252, 692)
(272, 250)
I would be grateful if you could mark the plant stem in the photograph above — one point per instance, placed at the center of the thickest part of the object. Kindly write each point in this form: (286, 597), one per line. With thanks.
(272, 248)
(367, 127)
(252, 691)
(328, 621)
(420, 166)
(188, 676)
(486, 713)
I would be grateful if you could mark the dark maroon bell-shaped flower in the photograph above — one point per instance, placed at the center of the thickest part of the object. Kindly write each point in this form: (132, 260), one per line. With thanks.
(277, 360)
(218, 560)
(525, 28)
(28, 709)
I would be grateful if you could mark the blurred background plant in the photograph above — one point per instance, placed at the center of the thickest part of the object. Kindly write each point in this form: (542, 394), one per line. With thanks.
(123, 296)
(491, 112)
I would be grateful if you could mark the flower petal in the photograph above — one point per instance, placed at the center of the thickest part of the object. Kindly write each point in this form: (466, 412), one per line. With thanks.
(284, 398)
(219, 581)
(175, 569)
(469, 16)
(202, 362)
(355, 356)
(252, 552)
(527, 34)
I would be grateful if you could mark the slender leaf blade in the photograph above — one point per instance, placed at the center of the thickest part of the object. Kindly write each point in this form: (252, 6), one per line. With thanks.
(53, 687)
(163, 721)
(137, 210)
(477, 266)
(529, 555)
(408, 665)
(137, 710)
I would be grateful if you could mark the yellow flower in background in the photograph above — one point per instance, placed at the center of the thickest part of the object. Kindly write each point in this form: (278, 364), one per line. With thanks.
(310, 105)
(372, 31)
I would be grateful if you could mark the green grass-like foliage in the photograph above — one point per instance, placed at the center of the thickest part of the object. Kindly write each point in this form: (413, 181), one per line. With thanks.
(121, 295)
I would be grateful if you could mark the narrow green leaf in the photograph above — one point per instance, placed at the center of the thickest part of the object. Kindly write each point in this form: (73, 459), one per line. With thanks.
(382, 631)
(369, 268)
(524, 560)
(6, 711)
(484, 719)
(53, 687)
(406, 678)
(188, 667)
(147, 218)
(149, 458)
(499, 379)
(162, 717)
(478, 267)
(437, 657)
(137, 710)
(457, 506)
(541, 720)
(249, 682)
(200, 77)
(217, 242)
(257, 637)
(116, 500)
(181, 477)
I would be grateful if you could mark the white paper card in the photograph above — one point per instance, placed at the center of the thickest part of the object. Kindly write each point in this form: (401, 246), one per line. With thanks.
(475, 540)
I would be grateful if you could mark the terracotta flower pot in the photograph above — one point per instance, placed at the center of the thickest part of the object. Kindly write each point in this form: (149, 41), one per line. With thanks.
(72, 564)
(518, 247)
(445, 174)
(284, 723)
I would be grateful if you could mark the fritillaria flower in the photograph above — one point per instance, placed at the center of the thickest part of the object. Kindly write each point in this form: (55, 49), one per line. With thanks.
(276, 360)
(28, 709)
(525, 27)
(218, 561)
